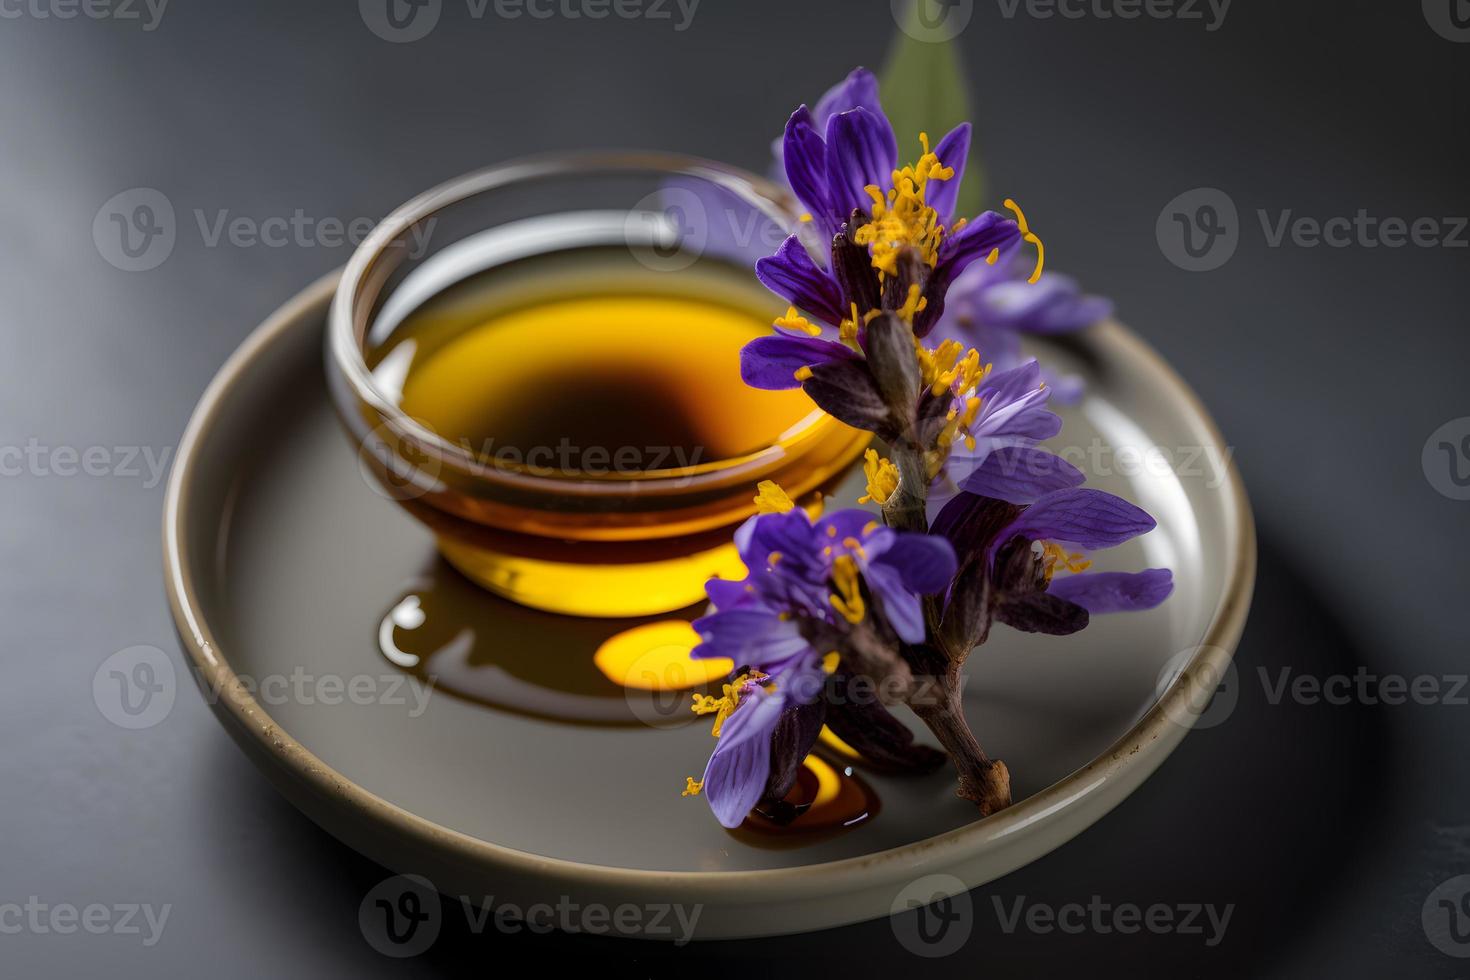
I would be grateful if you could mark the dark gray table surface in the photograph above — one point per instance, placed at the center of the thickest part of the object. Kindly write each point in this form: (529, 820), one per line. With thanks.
(1326, 826)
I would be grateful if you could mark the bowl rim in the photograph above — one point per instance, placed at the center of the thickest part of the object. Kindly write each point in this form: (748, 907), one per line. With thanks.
(1139, 750)
(376, 258)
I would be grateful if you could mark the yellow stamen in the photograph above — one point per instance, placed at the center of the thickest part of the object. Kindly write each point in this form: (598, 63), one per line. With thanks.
(901, 217)
(1030, 236)
(847, 330)
(956, 425)
(912, 304)
(934, 459)
(805, 218)
(882, 479)
(967, 419)
(950, 367)
(724, 705)
(1053, 554)
(848, 599)
(771, 499)
(793, 320)
(691, 786)
(830, 661)
(934, 361)
(802, 373)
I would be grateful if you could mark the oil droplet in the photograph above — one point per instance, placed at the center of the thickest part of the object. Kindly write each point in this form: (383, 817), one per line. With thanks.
(825, 801)
(577, 670)
(655, 657)
(829, 784)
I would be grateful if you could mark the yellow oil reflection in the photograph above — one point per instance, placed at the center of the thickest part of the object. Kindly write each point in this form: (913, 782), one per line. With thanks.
(655, 657)
(829, 784)
(830, 739)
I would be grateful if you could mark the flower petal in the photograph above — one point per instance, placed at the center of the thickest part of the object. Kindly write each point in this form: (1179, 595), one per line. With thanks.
(1066, 389)
(988, 307)
(952, 151)
(849, 522)
(1021, 475)
(1012, 383)
(804, 156)
(858, 90)
(754, 637)
(983, 234)
(791, 536)
(1082, 517)
(800, 680)
(743, 534)
(971, 522)
(924, 562)
(901, 607)
(1106, 592)
(792, 275)
(1013, 408)
(771, 363)
(1054, 304)
(976, 240)
(741, 762)
(1006, 420)
(861, 151)
(970, 287)
(728, 594)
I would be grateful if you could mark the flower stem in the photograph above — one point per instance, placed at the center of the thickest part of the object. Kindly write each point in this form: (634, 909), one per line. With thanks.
(905, 508)
(984, 781)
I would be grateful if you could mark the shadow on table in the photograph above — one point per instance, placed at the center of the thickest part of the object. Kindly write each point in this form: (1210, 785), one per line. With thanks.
(1258, 818)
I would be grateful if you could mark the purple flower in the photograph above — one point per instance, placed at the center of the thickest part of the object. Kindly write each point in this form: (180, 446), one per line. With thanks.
(1013, 411)
(1010, 414)
(889, 242)
(754, 704)
(810, 584)
(1015, 550)
(998, 295)
(803, 571)
(842, 597)
(870, 141)
(991, 305)
(1028, 597)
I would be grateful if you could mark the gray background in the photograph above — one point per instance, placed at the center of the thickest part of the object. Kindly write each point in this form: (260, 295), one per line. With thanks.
(1328, 368)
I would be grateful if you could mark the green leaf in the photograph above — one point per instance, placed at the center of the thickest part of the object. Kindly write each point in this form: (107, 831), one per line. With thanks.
(924, 90)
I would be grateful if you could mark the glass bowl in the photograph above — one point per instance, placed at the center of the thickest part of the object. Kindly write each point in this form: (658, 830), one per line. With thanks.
(547, 532)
